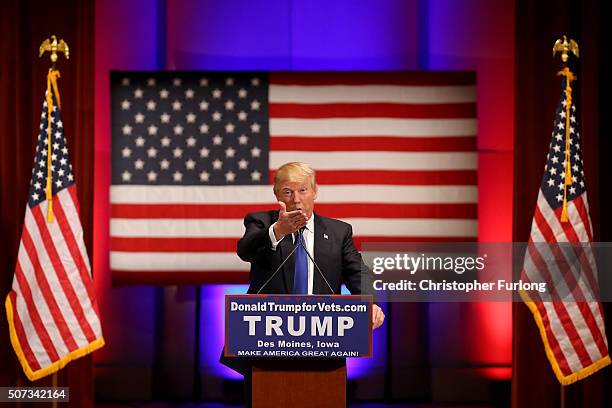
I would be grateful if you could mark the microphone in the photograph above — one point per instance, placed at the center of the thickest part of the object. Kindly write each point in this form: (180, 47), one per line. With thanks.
(301, 241)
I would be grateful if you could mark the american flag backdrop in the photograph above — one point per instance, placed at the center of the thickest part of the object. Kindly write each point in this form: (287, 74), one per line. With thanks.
(51, 308)
(569, 317)
(192, 153)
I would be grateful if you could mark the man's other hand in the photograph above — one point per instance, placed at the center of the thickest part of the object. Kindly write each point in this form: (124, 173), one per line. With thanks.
(378, 317)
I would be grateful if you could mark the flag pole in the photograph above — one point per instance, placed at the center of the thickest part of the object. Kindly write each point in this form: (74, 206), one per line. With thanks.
(562, 402)
(565, 47)
(53, 46)
(54, 385)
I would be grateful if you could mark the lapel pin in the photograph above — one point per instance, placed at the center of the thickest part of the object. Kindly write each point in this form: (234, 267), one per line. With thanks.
(325, 236)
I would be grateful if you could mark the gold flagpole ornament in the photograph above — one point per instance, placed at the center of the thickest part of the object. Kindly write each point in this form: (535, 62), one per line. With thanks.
(563, 46)
(53, 46)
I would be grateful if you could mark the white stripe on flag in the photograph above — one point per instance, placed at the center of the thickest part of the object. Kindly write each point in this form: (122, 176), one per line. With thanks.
(397, 194)
(57, 289)
(385, 194)
(586, 288)
(313, 94)
(72, 271)
(557, 228)
(556, 327)
(551, 219)
(200, 228)
(41, 305)
(367, 127)
(586, 206)
(75, 226)
(562, 337)
(177, 261)
(576, 221)
(418, 227)
(559, 278)
(233, 228)
(28, 327)
(378, 160)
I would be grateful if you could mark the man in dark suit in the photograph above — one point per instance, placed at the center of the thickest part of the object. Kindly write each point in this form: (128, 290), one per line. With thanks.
(270, 237)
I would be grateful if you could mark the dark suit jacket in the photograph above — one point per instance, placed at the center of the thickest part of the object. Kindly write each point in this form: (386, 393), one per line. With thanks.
(334, 253)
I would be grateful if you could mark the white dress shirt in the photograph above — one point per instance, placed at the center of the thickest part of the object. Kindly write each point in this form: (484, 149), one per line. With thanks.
(309, 239)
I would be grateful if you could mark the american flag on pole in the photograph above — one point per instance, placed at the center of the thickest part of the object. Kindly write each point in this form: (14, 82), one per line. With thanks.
(192, 153)
(569, 317)
(51, 308)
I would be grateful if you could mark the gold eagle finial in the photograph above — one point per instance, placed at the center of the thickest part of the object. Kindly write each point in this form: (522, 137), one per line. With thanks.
(52, 45)
(564, 47)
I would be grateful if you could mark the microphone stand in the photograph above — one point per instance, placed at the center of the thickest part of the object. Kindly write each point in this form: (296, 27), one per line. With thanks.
(301, 242)
(276, 271)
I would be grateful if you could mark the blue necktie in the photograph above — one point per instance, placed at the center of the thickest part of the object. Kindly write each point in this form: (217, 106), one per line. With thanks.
(300, 279)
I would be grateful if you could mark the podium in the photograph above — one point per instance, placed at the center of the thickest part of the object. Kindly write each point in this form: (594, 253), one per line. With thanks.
(296, 345)
(301, 383)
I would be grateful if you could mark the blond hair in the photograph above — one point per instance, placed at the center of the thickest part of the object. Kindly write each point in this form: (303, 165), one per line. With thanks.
(295, 172)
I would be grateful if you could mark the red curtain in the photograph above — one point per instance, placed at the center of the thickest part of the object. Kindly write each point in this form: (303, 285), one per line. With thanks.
(23, 27)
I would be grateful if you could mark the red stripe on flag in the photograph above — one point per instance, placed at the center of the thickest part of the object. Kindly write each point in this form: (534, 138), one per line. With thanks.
(567, 227)
(572, 237)
(395, 177)
(373, 110)
(560, 257)
(179, 244)
(581, 255)
(374, 143)
(573, 335)
(415, 78)
(564, 318)
(543, 270)
(570, 281)
(34, 316)
(348, 210)
(360, 240)
(376, 210)
(186, 211)
(73, 193)
(58, 267)
(45, 288)
(184, 244)
(584, 215)
(22, 338)
(574, 242)
(552, 340)
(586, 269)
(581, 209)
(589, 319)
(174, 244)
(73, 247)
(145, 277)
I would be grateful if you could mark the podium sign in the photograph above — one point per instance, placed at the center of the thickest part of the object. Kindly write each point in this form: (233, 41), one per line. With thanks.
(297, 326)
